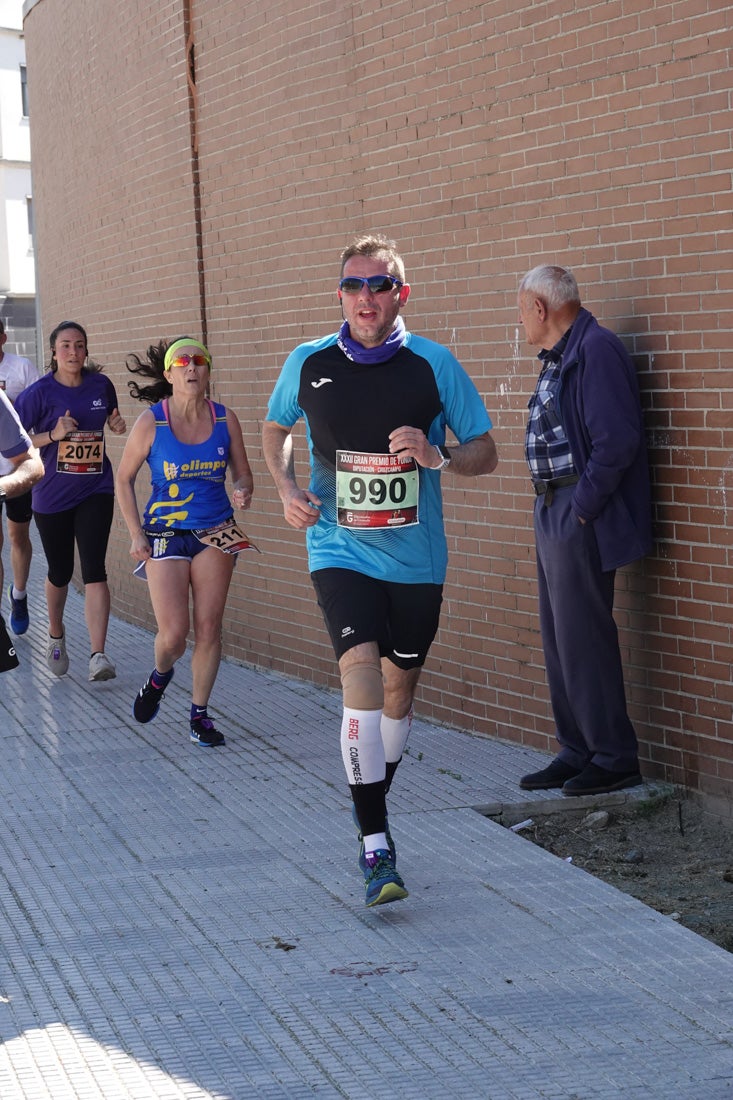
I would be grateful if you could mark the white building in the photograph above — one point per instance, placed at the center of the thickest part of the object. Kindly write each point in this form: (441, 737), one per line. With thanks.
(17, 267)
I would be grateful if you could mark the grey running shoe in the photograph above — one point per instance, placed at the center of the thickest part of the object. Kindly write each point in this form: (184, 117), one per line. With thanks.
(57, 658)
(101, 668)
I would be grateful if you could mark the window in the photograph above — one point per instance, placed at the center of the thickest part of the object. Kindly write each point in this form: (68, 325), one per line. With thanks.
(24, 89)
(29, 212)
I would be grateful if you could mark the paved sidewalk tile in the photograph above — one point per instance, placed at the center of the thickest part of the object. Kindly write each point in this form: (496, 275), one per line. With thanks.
(183, 923)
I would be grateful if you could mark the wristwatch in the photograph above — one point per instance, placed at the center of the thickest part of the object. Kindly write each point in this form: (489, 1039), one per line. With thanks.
(444, 454)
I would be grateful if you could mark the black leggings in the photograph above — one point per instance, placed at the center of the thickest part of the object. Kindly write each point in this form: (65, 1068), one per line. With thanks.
(88, 525)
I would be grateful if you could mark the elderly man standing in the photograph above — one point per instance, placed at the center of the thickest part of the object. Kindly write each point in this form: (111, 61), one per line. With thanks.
(587, 459)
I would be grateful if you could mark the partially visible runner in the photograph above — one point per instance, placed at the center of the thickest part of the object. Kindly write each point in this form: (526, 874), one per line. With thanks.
(377, 400)
(25, 469)
(66, 412)
(16, 372)
(187, 538)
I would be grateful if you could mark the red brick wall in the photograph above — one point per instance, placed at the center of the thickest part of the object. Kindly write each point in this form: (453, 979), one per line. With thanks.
(485, 137)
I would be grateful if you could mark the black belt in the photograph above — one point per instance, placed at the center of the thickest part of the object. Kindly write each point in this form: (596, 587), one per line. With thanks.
(547, 488)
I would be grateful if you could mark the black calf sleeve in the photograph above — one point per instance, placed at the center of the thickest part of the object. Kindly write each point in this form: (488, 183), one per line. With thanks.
(371, 807)
(391, 769)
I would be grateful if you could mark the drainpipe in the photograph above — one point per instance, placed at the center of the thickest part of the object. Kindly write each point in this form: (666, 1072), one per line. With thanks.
(193, 126)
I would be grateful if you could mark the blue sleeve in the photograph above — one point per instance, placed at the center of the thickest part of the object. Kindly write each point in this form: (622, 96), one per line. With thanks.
(13, 439)
(463, 408)
(283, 405)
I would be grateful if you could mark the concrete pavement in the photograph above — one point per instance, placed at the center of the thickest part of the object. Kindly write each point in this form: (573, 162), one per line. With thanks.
(184, 923)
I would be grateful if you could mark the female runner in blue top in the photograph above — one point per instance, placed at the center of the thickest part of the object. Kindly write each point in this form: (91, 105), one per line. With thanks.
(187, 537)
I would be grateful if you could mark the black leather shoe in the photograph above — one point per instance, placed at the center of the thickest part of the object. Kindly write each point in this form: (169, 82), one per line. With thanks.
(554, 775)
(596, 780)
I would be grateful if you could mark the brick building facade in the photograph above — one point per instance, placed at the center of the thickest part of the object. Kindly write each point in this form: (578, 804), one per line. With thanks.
(197, 168)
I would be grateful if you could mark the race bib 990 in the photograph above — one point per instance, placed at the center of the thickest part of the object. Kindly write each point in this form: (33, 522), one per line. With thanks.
(376, 490)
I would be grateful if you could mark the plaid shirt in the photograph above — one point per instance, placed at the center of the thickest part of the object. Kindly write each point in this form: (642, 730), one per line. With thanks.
(546, 445)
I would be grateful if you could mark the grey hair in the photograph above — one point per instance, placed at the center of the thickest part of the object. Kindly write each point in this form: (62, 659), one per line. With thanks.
(556, 286)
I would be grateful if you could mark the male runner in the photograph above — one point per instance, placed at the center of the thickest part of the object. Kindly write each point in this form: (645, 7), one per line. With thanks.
(376, 401)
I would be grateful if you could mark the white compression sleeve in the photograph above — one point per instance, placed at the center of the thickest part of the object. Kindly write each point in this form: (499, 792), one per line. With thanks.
(361, 746)
(395, 732)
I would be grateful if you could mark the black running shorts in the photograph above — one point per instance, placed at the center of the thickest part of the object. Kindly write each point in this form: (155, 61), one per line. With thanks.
(19, 509)
(402, 618)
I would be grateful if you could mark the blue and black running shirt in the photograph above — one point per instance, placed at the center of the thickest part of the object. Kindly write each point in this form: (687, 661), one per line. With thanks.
(353, 407)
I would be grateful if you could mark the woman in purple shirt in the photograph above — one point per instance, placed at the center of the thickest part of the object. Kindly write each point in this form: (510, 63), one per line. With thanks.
(66, 413)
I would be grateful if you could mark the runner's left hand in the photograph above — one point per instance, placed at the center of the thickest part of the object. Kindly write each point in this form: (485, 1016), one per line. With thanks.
(242, 498)
(116, 423)
(413, 443)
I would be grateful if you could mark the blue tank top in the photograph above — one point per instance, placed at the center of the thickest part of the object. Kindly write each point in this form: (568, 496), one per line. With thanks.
(188, 479)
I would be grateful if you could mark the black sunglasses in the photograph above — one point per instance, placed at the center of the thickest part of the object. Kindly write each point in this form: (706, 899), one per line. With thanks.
(378, 284)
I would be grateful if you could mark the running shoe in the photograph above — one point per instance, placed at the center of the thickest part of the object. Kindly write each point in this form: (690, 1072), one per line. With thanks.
(18, 613)
(203, 733)
(57, 658)
(363, 866)
(101, 668)
(148, 700)
(383, 884)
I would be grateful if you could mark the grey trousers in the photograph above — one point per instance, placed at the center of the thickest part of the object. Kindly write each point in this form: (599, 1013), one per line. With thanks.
(580, 641)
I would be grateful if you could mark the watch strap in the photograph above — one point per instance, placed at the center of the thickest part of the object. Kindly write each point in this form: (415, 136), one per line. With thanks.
(445, 456)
